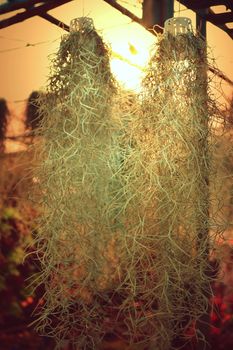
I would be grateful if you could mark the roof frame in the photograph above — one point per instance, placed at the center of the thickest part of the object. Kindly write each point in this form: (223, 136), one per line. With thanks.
(202, 4)
(41, 7)
(218, 19)
(31, 10)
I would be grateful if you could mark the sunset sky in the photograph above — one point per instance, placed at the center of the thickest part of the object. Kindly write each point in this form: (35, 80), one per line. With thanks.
(25, 68)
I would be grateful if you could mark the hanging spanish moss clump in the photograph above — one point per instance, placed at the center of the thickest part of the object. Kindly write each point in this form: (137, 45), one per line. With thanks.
(4, 112)
(169, 169)
(77, 235)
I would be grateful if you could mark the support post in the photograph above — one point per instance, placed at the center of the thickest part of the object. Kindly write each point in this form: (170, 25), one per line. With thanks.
(201, 22)
(203, 324)
(156, 12)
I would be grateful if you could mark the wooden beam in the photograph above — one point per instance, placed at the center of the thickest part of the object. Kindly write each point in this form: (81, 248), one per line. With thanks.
(124, 11)
(31, 12)
(129, 14)
(219, 18)
(201, 4)
(220, 74)
(13, 6)
(189, 4)
(223, 26)
(55, 21)
(42, 12)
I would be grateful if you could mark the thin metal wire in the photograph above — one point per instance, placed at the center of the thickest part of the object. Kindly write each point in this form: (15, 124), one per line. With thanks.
(27, 45)
(12, 39)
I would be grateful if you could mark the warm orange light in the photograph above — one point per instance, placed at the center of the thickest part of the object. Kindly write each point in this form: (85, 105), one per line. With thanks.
(128, 64)
(130, 54)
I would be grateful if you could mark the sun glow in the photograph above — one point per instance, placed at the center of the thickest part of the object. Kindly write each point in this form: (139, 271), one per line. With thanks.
(130, 56)
(128, 63)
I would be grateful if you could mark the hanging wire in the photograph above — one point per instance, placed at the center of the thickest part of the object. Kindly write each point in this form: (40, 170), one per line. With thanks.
(18, 101)
(12, 39)
(51, 41)
(28, 45)
(220, 74)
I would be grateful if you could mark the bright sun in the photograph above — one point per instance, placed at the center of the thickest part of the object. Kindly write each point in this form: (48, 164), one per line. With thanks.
(128, 63)
(130, 56)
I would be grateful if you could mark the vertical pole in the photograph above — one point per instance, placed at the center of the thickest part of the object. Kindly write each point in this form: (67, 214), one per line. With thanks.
(156, 12)
(201, 22)
(203, 325)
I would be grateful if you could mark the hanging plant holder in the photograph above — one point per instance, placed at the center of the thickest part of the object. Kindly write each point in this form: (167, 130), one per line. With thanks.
(178, 25)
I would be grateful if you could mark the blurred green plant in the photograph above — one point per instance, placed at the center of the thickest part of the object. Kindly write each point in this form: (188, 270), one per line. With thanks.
(17, 300)
(32, 113)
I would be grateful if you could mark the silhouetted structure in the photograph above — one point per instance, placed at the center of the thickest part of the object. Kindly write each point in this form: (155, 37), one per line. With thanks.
(230, 112)
(4, 112)
(33, 115)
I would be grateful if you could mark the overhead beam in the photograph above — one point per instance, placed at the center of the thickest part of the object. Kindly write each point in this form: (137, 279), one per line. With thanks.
(31, 12)
(41, 11)
(129, 14)
(16, 5)
(221, 75)
(125, 12)
(222, 26)
(202, 4)
(190, 5)
(219, 18)
(55, 21)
